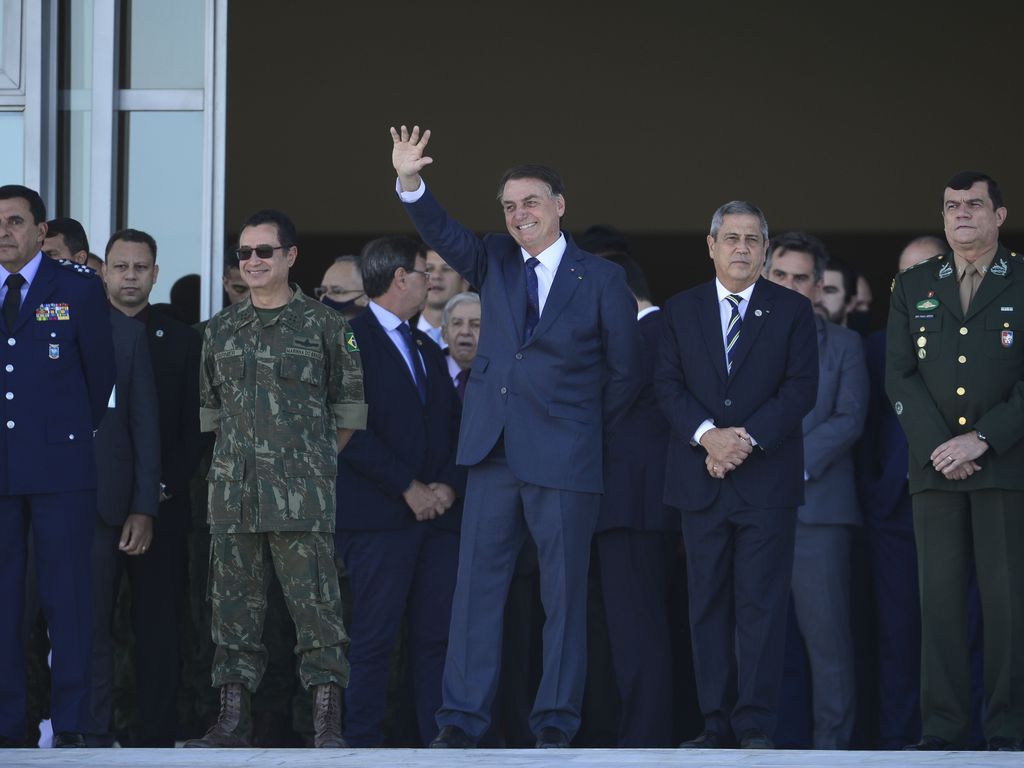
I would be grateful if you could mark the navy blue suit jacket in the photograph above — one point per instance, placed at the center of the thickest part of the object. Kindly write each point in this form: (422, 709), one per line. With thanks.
(883, 457)
(634, 479)
(59, 373)
(403, 440)
(552, 396)
(772, 386)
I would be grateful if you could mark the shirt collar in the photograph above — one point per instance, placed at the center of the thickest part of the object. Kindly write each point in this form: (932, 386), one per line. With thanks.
(723, 291)
(645, 312)
(388, 319)
(982, 263)
(28, 271)
(550, 256)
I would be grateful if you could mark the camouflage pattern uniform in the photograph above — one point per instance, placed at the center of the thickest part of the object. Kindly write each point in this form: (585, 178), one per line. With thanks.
(275, 395)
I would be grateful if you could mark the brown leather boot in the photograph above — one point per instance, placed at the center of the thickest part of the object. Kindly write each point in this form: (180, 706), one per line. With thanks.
(327, 717)
(234, 725)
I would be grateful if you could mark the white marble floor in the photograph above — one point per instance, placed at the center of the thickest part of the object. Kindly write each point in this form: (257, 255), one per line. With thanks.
(525, 758)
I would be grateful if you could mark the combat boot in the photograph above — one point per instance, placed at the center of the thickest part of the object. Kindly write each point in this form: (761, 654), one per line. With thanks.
(327, 717)
(234, 724)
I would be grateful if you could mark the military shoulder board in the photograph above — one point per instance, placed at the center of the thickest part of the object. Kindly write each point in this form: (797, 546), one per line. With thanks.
(81, 269)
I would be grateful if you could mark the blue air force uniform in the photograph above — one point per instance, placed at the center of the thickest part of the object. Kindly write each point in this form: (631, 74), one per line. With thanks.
(56, 373)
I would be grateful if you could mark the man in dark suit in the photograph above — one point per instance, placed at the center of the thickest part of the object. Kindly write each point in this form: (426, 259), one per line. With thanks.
(955, 374)
(636, 539)
(130, 273)
(826, 521)
(885, 498)
(57, 372)
(738, 371)
(397, 479)
(557, 362)
(127, 446)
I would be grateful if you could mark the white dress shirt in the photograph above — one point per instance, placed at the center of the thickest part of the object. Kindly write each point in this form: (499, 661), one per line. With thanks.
(390, 322)
(434, 333)
(725, 314)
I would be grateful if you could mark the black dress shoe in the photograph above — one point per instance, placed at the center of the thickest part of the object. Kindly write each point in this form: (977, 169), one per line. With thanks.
(452, 737)
(66, 739)
(1006, 744)
(932, 744)
(706, 740)
(552, 738)
(755, 739)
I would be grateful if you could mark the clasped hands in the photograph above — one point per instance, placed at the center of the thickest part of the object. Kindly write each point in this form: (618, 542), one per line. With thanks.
(955, 458)
(727, 448)
(428, 502)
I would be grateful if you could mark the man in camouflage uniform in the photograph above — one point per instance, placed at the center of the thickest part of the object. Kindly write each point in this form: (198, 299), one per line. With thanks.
(281, 385)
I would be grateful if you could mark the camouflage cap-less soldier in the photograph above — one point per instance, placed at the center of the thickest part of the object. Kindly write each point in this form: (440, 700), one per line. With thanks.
(276, 395)
(281, 384)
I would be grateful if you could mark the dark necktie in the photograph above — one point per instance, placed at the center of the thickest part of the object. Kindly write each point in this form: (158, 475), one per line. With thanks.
(417, 365)
(460, 383)
(12, 301)
(532, 298)
(732, 330)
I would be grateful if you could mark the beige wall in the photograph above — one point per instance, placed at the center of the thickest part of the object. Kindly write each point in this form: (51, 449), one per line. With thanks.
(833, 119)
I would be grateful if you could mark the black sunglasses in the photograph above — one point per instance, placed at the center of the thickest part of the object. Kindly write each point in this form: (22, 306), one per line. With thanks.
(263, 251)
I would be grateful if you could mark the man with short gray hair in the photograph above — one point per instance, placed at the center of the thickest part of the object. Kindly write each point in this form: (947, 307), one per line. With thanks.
(738, 371)
(460, 330)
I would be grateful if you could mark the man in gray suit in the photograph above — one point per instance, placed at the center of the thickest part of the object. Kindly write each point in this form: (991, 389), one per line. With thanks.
(821, 561)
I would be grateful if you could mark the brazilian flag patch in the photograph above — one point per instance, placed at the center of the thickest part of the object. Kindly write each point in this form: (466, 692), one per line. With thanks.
(350, 342)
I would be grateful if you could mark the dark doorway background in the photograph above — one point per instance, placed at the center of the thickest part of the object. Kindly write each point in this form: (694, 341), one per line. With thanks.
(843, 120)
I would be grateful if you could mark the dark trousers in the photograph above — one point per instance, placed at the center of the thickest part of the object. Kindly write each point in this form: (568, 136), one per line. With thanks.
(406, 573)
(498, 512)
(636, 571)
(62, 529)
(155, 580)
(952, 529)
(894, 572)
(739, 566)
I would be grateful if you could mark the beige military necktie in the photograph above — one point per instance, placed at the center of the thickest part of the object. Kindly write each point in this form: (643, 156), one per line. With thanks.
(968, 285)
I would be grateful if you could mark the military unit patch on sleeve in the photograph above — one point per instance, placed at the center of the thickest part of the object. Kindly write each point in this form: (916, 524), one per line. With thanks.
(350, 342)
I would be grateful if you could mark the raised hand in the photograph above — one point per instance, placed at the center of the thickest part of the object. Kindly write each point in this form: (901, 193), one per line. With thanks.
(407, 156)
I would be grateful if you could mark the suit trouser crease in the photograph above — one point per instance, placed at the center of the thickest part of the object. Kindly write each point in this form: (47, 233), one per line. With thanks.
(821, 597)
(395, 574)
(499, 511)
(739, 568)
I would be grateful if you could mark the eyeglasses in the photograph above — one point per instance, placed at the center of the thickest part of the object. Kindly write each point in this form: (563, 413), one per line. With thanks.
(335, 292)
(426, 275)
(263, 251)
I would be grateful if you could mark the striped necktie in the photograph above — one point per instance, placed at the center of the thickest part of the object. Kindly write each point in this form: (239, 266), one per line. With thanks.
(732, 330)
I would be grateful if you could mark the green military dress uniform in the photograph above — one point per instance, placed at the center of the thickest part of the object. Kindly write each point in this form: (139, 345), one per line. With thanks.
(949, 373)
(275, 392)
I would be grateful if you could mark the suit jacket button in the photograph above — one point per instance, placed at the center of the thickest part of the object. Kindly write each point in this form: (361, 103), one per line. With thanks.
(9, 395)
(9, 368)
(12, 341)
(728, 403)
(71, 437)
(10, 425)
(519, 355)
(504, 390)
